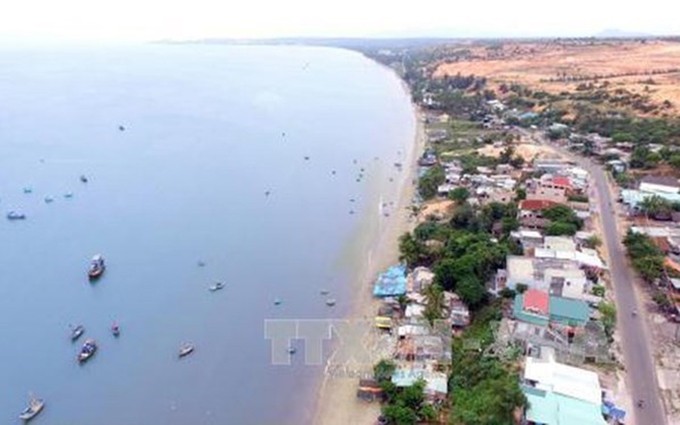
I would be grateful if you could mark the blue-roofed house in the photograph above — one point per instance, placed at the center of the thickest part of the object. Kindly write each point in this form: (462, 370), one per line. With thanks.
(391, 283)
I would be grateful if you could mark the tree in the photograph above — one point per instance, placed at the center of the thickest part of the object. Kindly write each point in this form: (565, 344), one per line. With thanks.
(608, 311)
(471, 291)
(412, 251)
(428, 184)
(399, 415)
(383, 370)
(435, 299)
(460, 195)
(559, 228)
(593, 242)
(521, 194)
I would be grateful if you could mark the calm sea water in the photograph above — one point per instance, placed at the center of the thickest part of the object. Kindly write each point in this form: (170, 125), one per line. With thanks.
(184, 182)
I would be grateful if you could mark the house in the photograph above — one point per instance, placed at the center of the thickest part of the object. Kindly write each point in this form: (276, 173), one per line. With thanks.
(539, 308)
(459, 314)
(391, 283)
(529, 239)
(552, 166)
(659, 184)
(421, 278)
(545, 373)
(436, 383)
(534, 207)
(551, 188)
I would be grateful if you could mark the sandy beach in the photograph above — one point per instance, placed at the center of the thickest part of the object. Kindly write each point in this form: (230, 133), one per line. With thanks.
(337, 403)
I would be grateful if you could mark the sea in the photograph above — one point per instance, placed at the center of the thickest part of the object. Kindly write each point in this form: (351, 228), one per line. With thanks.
(257, 166)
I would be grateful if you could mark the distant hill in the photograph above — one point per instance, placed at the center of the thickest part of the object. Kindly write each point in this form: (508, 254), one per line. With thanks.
(617, 33)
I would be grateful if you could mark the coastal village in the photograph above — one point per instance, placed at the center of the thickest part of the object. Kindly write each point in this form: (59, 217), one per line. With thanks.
(502, 308)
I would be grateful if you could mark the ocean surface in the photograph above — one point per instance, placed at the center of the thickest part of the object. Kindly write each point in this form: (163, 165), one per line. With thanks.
(209, 130)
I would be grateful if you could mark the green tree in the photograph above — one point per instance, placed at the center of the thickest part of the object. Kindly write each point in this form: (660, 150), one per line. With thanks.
(608, 311)
(430, 181)
(459, 194)
(383, 370)
(521, 194)
(471, 291)
(411, 250)
(559, 228)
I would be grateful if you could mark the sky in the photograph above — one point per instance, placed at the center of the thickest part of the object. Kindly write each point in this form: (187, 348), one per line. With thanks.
(146, 20)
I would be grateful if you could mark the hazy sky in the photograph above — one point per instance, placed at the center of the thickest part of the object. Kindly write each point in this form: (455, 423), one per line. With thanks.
(181, 19)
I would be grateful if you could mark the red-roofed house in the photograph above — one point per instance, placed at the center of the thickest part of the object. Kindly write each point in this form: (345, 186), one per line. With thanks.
(532, 208)
(537, 302)
(553, 188)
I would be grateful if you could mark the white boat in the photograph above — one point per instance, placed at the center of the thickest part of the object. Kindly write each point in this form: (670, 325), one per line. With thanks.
(216, 286)
(35, 406)
(186, 349)
(97, 267)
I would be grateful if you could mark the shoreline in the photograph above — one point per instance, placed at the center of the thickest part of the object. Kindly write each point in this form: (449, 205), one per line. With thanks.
(336, 403)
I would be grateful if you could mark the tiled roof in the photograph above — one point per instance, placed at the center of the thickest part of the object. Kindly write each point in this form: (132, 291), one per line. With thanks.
(536, 204)
(561, 181)
(536, 301)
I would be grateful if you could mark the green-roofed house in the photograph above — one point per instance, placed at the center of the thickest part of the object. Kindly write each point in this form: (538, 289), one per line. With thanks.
(550, 408)
(538, 308)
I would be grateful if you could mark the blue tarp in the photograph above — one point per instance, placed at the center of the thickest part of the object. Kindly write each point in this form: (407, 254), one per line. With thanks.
(391, 283)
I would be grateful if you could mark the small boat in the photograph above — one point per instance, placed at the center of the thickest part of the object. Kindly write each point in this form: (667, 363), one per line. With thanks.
(121, 128)
(186, 349)
(28, 190)
(49, 199)
(13, 215)
(200, 263)
(216, 286)
(77, 332)
(324, 292)
(87, 351)
(330, 302)
(292, 350)
(83, 178)
(68, 195)
(277, 301)
(97, 267)
(115, 329)
(35, 406)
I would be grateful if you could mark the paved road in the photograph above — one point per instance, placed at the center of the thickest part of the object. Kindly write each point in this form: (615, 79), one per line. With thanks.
(642, 383)
(634, 339)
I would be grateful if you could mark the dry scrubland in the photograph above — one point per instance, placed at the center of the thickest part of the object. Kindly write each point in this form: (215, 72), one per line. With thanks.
(556, 67)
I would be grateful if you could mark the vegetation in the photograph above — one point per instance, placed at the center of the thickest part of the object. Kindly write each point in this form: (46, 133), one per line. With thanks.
(459, 194)
(484, 387)
(608, 311)
(563, 221)
(645, 256)
(430, 181)
(403, 406)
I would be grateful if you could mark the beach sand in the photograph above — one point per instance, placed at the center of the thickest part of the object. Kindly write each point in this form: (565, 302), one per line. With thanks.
(337, 403)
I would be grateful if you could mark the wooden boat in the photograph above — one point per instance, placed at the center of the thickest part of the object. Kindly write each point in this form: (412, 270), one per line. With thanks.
(77, 332)
(83, 179)
(330, 302)
(185, 349)
(115, 329)
(97, 267)
(35, 406)
(216, 286)
(88, 350)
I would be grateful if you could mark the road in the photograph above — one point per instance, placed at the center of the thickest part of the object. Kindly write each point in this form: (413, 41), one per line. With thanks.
(635, 342)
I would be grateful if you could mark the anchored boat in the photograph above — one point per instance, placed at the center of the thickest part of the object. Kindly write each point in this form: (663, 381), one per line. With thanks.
(88, 350)
(35, 406)
(186, 349)
(77, 332)
(97, 267)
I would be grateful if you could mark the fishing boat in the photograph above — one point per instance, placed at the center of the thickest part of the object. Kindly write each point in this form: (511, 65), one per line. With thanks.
(28, 190)
(115, 329)
(330, 302)
(77, 332)
(216, 286)
(97, 267)
(35, 406)
(49, 199)
(13, 215)
(186, 349)
(88, 350)
(83, 178)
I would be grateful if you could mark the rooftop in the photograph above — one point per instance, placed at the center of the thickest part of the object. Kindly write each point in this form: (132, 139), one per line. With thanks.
(536, 301)
(536, 204)
(563, 379)
(549, 408)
